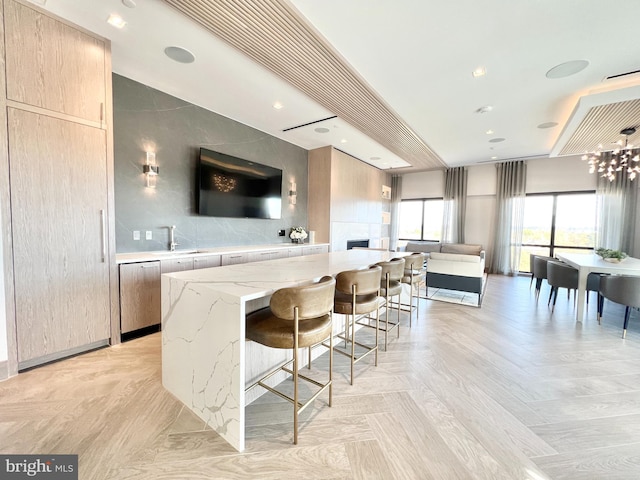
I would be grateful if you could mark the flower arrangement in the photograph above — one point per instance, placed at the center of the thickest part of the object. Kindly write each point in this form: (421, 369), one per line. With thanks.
(298, 234)
(611, 255)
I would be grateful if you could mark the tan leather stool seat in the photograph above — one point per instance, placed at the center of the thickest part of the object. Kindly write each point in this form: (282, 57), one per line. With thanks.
(265, 328)
(364, 303)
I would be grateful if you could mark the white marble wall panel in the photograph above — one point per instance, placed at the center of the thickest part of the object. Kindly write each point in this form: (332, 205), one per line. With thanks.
(343, 231)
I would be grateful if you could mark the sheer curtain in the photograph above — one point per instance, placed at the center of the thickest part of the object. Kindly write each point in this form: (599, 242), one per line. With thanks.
(455, 205)
(510, 196)
(616, 213)
(396, 196)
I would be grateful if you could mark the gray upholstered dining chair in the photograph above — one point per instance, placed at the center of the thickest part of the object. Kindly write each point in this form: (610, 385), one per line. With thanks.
(540, 271)
(624, 290)
(560, 275)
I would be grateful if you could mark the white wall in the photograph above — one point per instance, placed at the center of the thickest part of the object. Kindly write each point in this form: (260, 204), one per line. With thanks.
(562, 174)
(543, 175)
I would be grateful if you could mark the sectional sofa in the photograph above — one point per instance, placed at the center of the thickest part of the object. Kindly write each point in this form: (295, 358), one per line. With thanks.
(453, 266)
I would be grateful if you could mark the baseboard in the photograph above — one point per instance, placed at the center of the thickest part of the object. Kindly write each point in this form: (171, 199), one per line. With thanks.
(4, 370)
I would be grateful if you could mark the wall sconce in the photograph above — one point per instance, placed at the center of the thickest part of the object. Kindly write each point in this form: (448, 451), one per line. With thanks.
(292, 193)
(151, 170)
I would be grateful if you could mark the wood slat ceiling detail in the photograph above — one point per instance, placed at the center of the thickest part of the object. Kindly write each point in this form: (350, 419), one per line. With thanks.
(272, 33)
(602, 125)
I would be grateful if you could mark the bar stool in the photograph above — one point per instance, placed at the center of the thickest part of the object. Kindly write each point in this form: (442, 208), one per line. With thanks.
(624, 290)
(357, 293)
(296, 317)
(415, 276)
(390, 286)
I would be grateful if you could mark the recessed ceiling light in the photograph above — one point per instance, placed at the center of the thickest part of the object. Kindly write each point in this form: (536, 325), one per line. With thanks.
(278, 105)
(479, 72)
(548, 125)
(489, 132)
(497, 140)
(179, 54)
(344, 140)
(321, 130)
(567, 69)
(116, 20)
(485, 109)
(374, 158)
(129, 3)
(494, 158)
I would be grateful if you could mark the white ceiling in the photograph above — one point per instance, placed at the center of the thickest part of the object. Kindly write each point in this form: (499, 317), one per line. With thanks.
(417, 55)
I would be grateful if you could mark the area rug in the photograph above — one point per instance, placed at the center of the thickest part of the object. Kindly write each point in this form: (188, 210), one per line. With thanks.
(456, 296)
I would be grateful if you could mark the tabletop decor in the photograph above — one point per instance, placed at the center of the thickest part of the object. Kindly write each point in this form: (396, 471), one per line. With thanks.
(298, 234)
(612, 256)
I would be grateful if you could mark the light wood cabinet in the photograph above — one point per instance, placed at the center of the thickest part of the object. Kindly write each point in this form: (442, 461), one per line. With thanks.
(53, 65)
(339, 208)
(59, 171)
(59, 201)
(206, 261)
(139, 295)
(315, 249)
(261, 256)
(233, 258)
(170, 265)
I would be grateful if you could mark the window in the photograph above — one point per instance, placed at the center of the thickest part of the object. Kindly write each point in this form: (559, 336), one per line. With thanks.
(558, 223)
(421, 219)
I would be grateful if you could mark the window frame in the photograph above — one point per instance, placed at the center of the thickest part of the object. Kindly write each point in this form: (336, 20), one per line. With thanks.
(423, 200)
(552, 246)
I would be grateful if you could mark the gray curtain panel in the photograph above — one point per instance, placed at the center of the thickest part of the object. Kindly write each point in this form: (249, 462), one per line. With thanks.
(616, 213)
(455, 205)
(510, 196)
(396, 196)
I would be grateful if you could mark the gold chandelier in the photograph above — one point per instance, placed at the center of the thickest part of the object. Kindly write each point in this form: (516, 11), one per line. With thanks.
(623, 159)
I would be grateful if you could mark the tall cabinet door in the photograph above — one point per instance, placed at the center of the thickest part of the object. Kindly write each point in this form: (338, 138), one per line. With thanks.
(59, 201)
(52, 65)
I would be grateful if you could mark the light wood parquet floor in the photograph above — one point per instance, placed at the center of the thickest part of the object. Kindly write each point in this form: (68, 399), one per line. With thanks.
(504, 392)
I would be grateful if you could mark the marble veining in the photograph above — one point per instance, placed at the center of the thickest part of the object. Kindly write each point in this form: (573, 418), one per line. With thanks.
(203, 329)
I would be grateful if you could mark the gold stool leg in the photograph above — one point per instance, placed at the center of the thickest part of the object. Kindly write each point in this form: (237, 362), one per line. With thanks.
(295, 376)
(330, 368)
(398, 327)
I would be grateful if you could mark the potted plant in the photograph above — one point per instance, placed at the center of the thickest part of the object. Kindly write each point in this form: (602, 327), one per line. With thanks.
(298, 234)
(609, 255)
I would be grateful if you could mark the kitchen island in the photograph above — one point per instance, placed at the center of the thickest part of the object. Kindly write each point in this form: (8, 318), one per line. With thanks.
(206, 361)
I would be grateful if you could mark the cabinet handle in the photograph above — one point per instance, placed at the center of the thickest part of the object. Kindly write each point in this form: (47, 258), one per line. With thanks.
(103, 226)
(101, 112)
(142, 265)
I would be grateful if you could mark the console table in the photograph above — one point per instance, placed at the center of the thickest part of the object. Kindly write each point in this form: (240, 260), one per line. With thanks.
(205, 357)
(592, 263)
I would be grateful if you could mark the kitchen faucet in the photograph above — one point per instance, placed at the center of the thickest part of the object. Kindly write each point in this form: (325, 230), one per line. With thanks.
(172, 241)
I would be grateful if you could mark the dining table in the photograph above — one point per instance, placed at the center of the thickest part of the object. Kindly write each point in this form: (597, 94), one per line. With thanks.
(587, 263)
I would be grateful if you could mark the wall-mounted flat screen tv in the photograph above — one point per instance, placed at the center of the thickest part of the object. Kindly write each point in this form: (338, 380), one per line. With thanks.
(234, 187)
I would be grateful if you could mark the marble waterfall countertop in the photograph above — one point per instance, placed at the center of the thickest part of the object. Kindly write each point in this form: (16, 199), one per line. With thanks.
(206, 360)
(134, 257)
